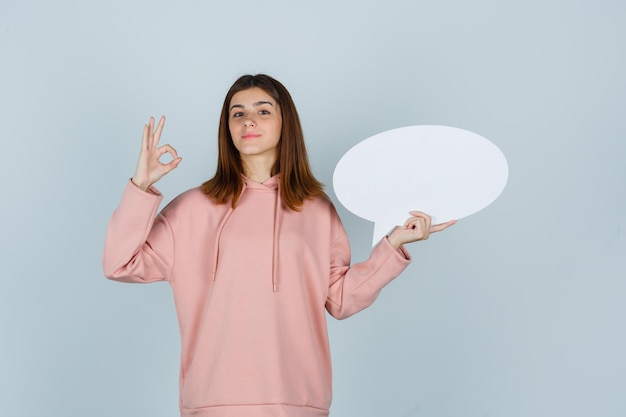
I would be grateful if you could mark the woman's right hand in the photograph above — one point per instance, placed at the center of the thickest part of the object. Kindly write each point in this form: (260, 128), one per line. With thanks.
(149, 168)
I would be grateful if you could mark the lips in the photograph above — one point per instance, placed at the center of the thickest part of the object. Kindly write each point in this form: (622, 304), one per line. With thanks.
(251, 136)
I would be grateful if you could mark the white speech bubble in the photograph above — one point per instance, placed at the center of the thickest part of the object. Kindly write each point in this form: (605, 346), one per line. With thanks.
(446, 172)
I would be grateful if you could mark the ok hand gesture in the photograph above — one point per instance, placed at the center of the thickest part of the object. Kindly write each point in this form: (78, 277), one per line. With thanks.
(149, 168)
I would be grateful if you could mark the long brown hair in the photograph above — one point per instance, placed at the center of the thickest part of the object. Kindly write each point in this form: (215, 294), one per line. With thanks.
(296, 178)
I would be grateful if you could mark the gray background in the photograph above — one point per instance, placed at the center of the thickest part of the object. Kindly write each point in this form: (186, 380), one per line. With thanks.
(516, 311)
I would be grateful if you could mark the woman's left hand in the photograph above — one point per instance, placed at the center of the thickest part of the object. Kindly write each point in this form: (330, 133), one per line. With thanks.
(418, 227)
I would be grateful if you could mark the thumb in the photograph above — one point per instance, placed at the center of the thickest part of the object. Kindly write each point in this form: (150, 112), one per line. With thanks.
(170, 166)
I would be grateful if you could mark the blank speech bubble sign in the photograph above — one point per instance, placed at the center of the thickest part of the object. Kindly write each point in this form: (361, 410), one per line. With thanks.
(445, 172)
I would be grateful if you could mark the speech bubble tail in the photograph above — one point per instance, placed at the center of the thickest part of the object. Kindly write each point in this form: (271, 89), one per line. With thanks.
(380, 231)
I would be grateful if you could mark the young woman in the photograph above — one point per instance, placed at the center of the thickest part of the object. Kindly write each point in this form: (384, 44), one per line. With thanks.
(255, 257)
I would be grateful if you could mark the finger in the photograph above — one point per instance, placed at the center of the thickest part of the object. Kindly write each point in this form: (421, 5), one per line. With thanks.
(170, 166)
(422, 215)
(159, 129)
(414, 215)
(415, 223)
(417, 213)
(442, 226)
(426, 226)
(151, 132)
(410, 222)
(416, 226)
(168, 149)
(144, 138)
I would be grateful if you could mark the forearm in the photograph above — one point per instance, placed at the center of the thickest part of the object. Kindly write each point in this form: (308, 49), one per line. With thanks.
(137, 249)
(357, 287)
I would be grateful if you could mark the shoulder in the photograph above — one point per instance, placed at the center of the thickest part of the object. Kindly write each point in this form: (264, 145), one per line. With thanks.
(320, 205)
(190, 200)
(193, 194)
(320, 212)
(317, 202)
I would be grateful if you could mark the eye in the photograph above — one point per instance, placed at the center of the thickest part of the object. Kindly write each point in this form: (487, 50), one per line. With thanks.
(237, 114)
(264, 112)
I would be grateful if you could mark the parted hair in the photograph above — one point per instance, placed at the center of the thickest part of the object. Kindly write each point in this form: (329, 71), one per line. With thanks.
(296, 178)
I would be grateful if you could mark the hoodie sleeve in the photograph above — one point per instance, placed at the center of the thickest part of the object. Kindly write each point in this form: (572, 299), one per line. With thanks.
(353, 288)
(139, 247)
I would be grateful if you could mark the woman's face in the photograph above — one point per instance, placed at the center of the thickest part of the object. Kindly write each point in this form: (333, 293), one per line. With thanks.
(255, 123)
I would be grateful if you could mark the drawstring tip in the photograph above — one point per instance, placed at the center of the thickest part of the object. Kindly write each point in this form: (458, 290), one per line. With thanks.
(274, 285)
(213, 276)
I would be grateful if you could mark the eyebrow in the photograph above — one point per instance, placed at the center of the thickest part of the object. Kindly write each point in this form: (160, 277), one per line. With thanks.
(258, 103)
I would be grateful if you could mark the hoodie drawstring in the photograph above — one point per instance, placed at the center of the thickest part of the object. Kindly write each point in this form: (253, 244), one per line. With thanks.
(275, 238)
(218, 235)
(277, 213)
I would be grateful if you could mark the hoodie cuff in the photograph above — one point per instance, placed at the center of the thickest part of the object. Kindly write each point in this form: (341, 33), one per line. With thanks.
(400, 252)
(151, 190)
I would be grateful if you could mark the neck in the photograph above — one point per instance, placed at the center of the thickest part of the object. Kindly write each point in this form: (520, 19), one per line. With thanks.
(258, 169)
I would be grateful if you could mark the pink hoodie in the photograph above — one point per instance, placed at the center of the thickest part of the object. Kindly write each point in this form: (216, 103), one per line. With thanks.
(251, 286)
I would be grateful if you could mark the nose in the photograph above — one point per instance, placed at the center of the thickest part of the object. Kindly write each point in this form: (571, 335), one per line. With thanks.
(248, 122)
